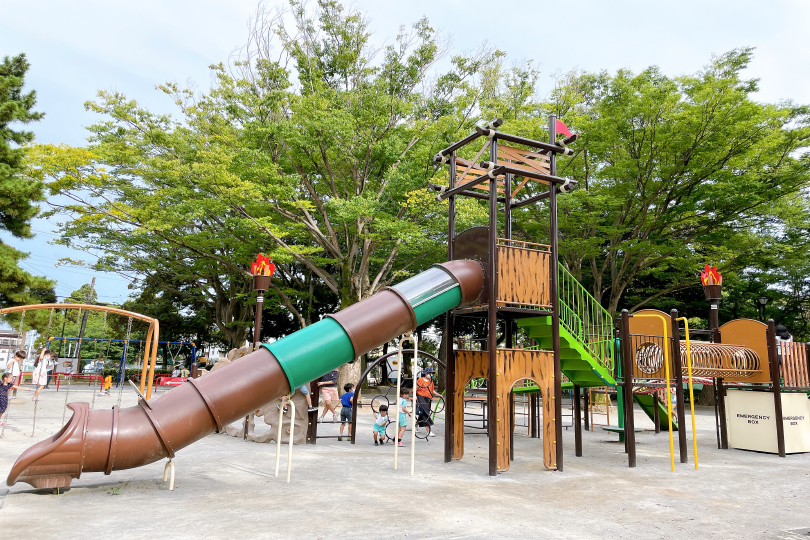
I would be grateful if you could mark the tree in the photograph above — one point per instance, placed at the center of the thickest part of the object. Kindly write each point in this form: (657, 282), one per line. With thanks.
(327, 177)
(673, 173)
(18, 192)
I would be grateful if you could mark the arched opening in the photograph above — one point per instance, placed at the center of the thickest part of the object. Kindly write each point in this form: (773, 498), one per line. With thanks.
(525, 412)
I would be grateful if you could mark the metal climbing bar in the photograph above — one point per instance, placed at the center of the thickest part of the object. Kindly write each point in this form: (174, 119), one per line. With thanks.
(586, 319)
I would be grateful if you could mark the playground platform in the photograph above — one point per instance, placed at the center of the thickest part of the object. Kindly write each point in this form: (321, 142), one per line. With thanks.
(225, 488)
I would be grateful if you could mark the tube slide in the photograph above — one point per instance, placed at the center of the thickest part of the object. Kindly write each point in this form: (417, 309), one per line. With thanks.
(115, 439)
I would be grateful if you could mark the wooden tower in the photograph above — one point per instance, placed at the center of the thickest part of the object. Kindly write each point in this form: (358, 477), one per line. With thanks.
(520, 282)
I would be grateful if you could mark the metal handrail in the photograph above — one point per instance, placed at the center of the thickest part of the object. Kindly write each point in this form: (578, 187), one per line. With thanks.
(585, 319)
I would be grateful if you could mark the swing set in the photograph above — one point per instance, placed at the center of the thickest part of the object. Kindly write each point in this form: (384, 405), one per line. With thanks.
(169, 356)
(151, 341)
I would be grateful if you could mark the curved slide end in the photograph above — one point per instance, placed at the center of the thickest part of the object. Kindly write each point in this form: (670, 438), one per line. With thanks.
(56, 461)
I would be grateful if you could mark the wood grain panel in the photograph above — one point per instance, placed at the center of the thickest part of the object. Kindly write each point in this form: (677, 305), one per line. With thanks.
(513, 365)
(523, 277)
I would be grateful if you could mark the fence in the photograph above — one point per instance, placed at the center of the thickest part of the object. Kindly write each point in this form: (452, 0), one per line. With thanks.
(795, 364)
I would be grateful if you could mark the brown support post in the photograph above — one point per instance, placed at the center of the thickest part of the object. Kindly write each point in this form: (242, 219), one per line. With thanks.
(577, 422)
(714, 326)
(677, 365)
(450, 357)
(721, 407)
(533, 415)
(627, 388)
(511, 426)
(554, 294)
(656, 415)
(492, 318)
(717, 412)
(586, 407)
(312, 417)
(773, 361)
(257, 325)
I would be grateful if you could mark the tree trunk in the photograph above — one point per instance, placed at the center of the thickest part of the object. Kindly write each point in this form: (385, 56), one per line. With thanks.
(348, 373)
(706, 396)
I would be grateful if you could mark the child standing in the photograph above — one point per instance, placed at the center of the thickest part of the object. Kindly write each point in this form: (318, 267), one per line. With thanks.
(347, 402)
(13, 367)
(403, 411)
(6, 386)
(379, 425)
(40, 376)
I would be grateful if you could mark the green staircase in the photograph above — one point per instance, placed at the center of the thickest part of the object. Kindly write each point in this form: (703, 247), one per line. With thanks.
(586, 335)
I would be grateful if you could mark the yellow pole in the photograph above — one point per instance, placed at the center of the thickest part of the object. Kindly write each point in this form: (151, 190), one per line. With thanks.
(691, 391)
(669, 393)
(145, 365)
(155, 339)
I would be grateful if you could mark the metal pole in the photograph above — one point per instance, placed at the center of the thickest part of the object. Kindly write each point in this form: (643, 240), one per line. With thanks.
(577, 422)
(555, 298)
(278, 437)
(257, 325)
(627, 390)
(450, 370)
(396, 418)
(679, 393)
(773, 361)
(83, 326)
(492, 317)
(292, 434)
(413, 401)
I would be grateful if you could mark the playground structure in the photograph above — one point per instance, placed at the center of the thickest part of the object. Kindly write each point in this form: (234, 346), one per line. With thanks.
(742, 353)
(107, 440)
(152, 335)
(490, 276)
(169, 356)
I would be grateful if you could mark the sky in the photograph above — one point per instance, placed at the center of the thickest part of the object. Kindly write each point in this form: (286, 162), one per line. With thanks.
(79, 47)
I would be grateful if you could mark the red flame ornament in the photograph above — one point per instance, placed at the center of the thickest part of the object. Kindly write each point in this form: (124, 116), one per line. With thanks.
(710, 276)
(262, 266)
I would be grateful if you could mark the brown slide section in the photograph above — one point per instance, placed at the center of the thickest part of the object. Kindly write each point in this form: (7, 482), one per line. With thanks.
(113, 439)
(108, 440)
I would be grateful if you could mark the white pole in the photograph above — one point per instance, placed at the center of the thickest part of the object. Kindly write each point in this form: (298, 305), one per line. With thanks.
(396, 418)
(278, 437)
(292, 433)
(413, 402)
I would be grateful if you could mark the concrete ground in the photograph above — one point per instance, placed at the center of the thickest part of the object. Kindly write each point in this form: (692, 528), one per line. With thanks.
(225, 488)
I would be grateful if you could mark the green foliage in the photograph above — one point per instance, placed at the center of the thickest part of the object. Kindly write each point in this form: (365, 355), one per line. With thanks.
(327, 175)
(673, 173)
(314, 151)
(18, 192)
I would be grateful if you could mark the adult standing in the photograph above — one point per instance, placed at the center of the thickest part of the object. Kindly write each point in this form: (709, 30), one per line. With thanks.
(425, 392)
(15, 368)
(40, 377)
(783, 341)
(329, 393)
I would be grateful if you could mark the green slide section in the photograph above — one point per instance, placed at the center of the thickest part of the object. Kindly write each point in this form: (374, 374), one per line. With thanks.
(319, 348)
(575, 360)
(645, 401)
(312, 351)
(534, 388)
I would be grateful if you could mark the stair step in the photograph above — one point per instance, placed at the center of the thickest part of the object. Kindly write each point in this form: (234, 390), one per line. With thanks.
(575, 360)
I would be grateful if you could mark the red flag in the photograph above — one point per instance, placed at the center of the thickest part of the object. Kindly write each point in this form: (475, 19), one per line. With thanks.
(562, 128)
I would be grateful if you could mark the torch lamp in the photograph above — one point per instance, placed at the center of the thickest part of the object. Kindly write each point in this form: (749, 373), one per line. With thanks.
(712, 282)
(262, 269)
